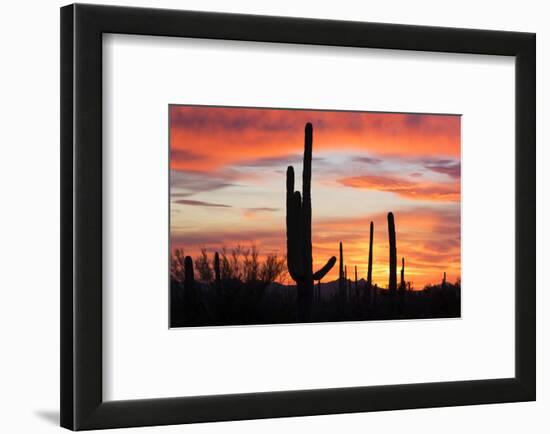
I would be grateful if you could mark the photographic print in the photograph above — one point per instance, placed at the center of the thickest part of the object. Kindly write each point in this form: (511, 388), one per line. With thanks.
(291, 216)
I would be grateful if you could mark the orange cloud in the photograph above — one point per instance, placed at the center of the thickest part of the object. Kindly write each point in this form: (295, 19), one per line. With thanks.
(254, 213)
(439, 192)
(208, 138)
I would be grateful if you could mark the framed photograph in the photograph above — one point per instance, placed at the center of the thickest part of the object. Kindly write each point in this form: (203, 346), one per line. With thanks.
(228, 204)
(268, 217)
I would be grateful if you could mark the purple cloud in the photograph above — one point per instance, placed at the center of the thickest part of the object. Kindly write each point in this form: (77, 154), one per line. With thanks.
(450, 169)
(197, 182)
(201, 203)
(368, 160)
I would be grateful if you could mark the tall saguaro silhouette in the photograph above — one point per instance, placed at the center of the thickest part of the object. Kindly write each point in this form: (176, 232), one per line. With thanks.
(393, 254)
(298, 233)
(369, 269)
(347, 283)
(402, 285)
(341, 273)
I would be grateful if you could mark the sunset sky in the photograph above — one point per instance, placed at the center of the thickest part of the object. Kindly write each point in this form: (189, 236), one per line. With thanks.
(227, 185)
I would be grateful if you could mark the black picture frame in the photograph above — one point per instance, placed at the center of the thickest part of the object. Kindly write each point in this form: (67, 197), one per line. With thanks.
(82, 405)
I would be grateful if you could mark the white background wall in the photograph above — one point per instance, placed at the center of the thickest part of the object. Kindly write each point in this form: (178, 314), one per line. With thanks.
(29, 228)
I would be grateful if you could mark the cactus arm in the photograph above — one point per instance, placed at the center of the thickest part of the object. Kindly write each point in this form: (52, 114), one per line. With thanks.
(289, 181)
(290, 218)
(318, 275)
(293, 205)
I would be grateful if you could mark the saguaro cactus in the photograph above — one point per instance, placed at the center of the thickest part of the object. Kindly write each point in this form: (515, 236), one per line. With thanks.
(402, 285)
(402, 288)
(298, 233)
(347, 283)
(217, 273)
(189, 280)
(369, 268)
(444, 281)
(393, 254)
(356, 287)
(341, 288)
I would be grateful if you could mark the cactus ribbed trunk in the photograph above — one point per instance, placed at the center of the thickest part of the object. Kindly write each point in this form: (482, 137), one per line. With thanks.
(393, 254)
(298, 229)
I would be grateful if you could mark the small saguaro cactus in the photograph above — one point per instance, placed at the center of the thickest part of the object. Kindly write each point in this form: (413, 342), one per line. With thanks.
(393, 254)
(298, 233)
(402, 285)
(189, 280)
(347, 283)
(444, 281)
(369, 269)
(341, 271)
(356, 287)
(217, 273)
